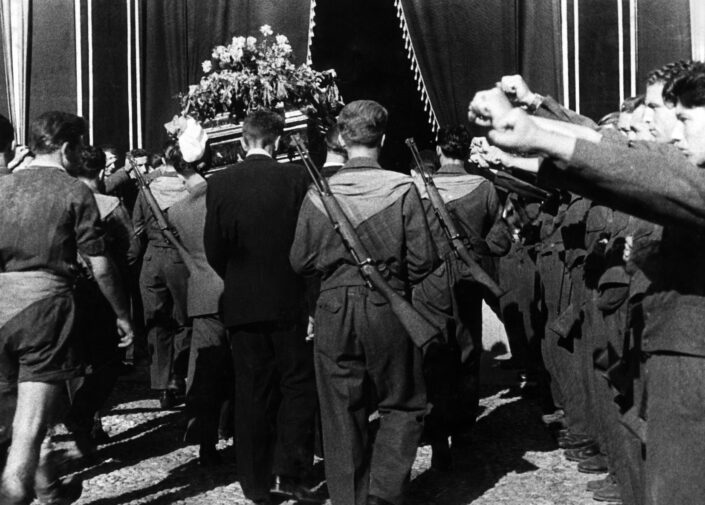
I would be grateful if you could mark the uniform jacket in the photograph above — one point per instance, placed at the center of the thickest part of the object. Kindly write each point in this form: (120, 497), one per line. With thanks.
(205, 287)
(385, 209)
(251, 215)
(653, 182)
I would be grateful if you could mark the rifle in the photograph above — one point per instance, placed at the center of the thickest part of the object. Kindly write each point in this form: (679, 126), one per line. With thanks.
(419, 329)
(450, 230)
(167, 231)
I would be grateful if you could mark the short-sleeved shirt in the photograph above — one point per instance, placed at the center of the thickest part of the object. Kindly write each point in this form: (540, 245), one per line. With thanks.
(46, 218)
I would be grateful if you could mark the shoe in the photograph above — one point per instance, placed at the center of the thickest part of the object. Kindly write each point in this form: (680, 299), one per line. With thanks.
(574, 441)
(556, 417)
(98, 434)
(60, 492)
(609, 494)
(292, 488)
(596, 464)
(376, 500)
(177, 385)
(441, 459)
(582, 453)
(594, 485)
(209, 457)
(167, 399)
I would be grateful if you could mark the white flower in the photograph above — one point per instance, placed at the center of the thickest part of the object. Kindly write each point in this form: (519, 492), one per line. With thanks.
(238, 42)
(251, 41)
(281, 40)
(266, 30)
(207, 66)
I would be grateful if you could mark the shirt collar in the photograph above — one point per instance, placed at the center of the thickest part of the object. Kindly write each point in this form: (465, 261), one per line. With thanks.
(257, 151)
(43, 164)
(452, 168)
(361, 162)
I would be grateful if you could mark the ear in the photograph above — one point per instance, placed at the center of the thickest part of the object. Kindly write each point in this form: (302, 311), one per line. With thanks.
(381, 142)
(277, 141)
(439, 151)
(340, 139)
(244, 145)
(66, 155)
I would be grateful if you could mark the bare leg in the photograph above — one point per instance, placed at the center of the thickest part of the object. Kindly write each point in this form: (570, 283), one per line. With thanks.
(35, 406)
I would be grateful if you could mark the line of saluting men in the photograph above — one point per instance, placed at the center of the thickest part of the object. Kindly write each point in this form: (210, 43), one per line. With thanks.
(604, 280)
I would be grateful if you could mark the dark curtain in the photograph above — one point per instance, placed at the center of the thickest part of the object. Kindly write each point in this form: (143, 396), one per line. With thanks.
(540, 46)
(362, 41)
(462, 46)
(664, 35)
(177, 35)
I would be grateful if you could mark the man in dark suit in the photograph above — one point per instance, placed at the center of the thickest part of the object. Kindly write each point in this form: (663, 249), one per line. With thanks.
(250, 222)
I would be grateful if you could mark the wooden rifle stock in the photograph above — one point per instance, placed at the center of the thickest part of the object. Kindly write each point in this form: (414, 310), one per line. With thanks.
(449, 228)
(419, 329)
(162, 223)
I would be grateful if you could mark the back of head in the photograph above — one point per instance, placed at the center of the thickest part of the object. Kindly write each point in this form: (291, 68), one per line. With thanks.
(7, 134)
(49, 131)
(668, 74)
(609, 120)
(363, 123)
(262, 127)
(92, 163)
(689, 88)
(454, 142)
(333, 144)
(173, 157)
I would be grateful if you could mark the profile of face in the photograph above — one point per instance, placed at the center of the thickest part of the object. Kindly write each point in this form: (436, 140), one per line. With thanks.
(638, 128)
(689, 133)
(659, 116)
(624, 122)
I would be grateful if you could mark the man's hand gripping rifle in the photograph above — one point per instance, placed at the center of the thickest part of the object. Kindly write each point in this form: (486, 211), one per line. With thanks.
(422, 332)
(164, 227)
(455, 239)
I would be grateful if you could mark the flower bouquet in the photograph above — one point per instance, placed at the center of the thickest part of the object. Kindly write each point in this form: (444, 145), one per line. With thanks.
(250, 73)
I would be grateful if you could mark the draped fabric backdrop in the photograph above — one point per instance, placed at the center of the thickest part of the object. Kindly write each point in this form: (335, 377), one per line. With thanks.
(460, 46)
(15, 41)
(697, 29)
(177, 35)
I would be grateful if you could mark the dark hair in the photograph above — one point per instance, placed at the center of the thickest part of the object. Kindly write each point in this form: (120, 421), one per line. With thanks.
(173, 156)
(689, 89)
(262, 126)
(333, 140)
(363, 122)
(429, 159)
(92, 162)
(609, 119)
(455, 142)
(631, 104)
(668, 72)
(109, 148)
(49, 131)
(155, 160)
(7, 134)
(138, 153)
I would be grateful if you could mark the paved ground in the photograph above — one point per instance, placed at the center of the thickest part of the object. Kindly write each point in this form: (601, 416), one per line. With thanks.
(511, 459)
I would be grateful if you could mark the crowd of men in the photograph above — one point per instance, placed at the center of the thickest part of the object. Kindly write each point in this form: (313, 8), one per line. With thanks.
(247, 300)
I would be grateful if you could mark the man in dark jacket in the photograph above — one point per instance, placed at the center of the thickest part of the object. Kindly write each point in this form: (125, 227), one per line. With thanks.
(250, 222)
(360, 345)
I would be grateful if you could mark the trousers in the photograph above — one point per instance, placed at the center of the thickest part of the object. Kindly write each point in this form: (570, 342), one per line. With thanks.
(361, 353)
(163, 286)
(275, 403)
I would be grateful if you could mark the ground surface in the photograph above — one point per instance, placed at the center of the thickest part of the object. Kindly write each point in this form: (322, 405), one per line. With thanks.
(511, 458)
